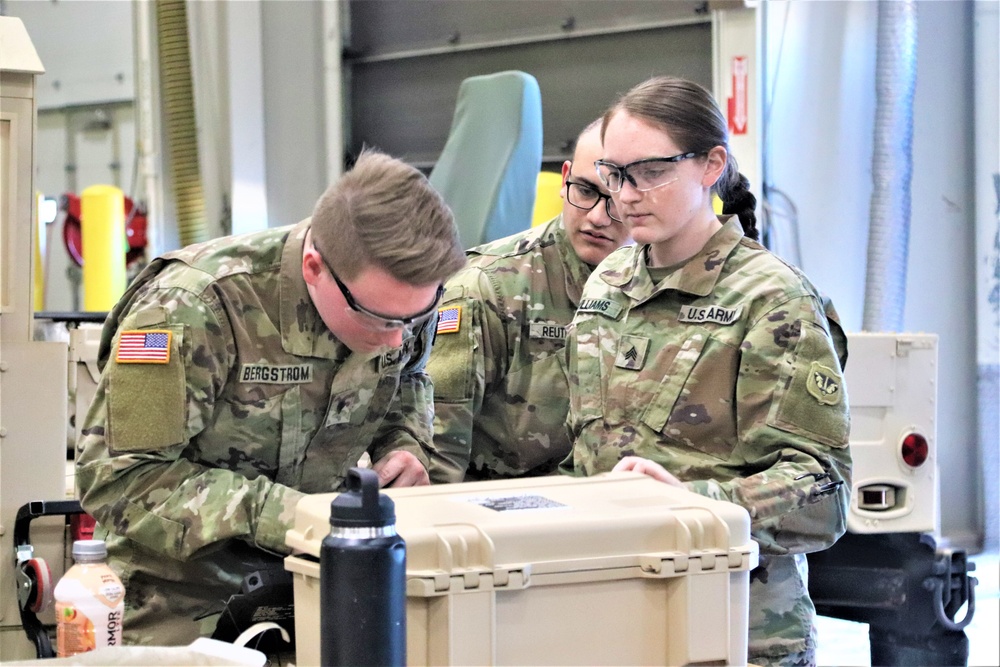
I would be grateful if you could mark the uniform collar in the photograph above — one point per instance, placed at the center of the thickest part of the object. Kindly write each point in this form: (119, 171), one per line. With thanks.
(577, 271)
(303, 332)
(698, 276)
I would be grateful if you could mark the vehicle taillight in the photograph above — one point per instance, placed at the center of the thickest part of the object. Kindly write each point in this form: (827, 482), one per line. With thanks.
(914, 450)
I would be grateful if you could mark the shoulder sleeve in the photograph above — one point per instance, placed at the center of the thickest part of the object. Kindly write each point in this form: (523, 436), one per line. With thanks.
(792, 423)
(130, 470)
(469, 356)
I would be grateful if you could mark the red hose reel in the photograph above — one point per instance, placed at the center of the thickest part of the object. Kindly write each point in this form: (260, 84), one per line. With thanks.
(135, 229)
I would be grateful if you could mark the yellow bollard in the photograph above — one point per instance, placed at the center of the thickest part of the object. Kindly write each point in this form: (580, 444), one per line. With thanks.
(38, 272)
(102, 219)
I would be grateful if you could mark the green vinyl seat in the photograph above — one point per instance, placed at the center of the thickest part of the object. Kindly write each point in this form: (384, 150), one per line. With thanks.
(489, 166)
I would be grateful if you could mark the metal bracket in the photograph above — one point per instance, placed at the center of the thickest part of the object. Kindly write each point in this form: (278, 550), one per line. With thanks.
(961, 588)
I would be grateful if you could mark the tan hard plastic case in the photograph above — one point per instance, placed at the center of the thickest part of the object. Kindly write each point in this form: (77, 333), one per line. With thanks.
(612, 569)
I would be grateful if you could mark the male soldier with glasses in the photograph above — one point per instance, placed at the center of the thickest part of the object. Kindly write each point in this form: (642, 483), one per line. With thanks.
(241, 373)
(500, 386)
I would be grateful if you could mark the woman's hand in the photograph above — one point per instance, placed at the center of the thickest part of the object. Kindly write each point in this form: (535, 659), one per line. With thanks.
(647, 467)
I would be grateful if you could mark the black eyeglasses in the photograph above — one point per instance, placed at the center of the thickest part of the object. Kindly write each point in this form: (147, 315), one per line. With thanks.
(378, 319)
(585, 196)
(644, 175)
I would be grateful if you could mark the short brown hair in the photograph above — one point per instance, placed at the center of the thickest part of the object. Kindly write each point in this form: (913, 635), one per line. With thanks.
(385, 213)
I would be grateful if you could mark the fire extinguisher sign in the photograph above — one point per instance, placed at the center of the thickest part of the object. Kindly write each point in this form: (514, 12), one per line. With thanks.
(738, 105)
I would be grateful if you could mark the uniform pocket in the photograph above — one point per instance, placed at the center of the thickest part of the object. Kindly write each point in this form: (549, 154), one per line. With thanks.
(294, 433)
(813, 397)
(694, 404)
(586, 379)
(676, 363)
(452, 364)
(245, 418)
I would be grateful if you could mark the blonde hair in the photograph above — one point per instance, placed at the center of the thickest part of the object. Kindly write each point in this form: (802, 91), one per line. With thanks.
(385, 213)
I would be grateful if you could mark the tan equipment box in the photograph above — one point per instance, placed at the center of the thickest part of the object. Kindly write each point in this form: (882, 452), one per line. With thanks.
(612, 569)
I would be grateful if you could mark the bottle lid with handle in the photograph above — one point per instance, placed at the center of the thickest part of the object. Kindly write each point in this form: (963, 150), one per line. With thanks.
(362, 504)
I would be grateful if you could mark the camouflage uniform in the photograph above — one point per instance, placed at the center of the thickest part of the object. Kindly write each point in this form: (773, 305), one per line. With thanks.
(193, 467)
(728, 372)
(500, 394)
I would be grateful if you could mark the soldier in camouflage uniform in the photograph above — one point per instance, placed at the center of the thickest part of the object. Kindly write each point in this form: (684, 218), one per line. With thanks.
(701, 359)
(241, 373)
(500, 394)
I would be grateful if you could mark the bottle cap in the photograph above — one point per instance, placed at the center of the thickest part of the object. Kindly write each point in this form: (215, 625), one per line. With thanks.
(362, 504)
(90, 549)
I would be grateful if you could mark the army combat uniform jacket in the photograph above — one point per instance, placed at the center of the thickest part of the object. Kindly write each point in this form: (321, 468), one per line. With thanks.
(500, 387)
(224, 398)
(728, 373)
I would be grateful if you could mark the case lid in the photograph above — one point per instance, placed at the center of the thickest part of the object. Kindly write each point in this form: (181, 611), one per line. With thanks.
(513, 529)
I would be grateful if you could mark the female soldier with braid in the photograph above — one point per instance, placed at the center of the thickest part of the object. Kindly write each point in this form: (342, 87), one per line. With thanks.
(701, 359)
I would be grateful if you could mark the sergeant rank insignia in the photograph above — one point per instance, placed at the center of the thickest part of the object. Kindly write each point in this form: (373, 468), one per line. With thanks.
(632, 352)
(449, 319)
(823, 384)
(151, 346)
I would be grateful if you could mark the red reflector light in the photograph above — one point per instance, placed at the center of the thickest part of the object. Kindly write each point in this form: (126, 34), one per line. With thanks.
(914, 450)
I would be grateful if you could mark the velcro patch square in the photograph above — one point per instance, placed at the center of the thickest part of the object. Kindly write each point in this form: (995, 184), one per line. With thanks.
(151, 346)
(632, 352)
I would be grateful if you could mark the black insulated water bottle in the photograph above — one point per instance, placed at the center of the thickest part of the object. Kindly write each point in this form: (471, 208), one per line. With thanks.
(362, 578)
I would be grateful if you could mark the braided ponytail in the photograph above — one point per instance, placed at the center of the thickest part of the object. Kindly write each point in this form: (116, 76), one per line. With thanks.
(734, 191)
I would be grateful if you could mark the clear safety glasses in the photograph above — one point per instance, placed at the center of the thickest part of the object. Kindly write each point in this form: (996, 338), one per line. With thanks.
(379, 320)
(644, 175)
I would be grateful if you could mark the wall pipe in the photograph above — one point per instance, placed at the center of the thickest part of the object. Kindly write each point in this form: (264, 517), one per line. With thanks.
(147, 126)
(987, 188)
(333, 85)
(178, 104)
(892, 166)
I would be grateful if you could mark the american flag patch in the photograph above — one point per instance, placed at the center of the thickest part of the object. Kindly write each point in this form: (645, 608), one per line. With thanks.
(449, 319)
(144, 347)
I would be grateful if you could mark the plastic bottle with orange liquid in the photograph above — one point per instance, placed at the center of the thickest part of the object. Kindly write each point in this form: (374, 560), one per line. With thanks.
(90, 602)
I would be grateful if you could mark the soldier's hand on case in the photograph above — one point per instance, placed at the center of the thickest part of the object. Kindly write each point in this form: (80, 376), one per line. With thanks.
(647, 467)
(400, 468)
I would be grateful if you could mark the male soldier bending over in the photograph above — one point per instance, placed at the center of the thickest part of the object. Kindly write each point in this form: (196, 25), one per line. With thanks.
(240, 373)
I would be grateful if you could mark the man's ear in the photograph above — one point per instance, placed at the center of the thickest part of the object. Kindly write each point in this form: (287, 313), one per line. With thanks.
(715, 164)
(312, 265)
(567, 165)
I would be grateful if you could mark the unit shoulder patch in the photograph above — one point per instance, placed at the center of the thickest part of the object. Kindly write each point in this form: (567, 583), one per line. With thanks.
(823, 384)
(147, 346)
